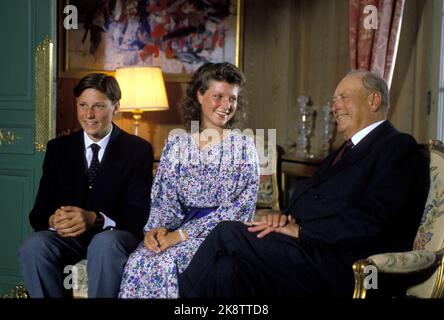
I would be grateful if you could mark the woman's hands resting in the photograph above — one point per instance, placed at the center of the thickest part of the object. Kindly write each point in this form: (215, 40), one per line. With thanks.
(159, 239)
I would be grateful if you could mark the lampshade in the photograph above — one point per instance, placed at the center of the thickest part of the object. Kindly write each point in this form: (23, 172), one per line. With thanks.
(143, 89)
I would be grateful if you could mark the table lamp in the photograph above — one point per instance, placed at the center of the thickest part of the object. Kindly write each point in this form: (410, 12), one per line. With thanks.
(143, 89)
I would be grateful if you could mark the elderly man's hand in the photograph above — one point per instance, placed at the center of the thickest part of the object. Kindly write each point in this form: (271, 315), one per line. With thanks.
(274, 222)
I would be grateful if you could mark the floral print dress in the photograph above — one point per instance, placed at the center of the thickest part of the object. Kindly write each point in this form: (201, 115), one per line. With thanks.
(224, 176)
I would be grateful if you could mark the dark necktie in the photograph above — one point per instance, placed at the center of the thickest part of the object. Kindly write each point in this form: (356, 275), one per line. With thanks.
(345, 148)
(94, 166)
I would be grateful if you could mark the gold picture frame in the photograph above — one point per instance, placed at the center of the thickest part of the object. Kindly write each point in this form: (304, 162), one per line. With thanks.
(95, 45)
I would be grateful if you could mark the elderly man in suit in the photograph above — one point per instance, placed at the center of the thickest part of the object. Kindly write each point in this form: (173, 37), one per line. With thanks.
(366, 198)
(93, 199)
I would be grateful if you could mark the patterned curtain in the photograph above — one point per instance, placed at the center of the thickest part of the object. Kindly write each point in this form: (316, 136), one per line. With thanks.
(371, 49)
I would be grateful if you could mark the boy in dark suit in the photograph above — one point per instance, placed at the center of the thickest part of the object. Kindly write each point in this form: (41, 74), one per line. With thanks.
(366, 198)
(93, 199)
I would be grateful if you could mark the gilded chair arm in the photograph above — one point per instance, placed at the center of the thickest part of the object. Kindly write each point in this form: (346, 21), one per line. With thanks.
(401, 263)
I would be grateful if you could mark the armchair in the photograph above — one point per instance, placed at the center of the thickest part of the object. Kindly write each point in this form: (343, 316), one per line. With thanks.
(420, 272)
(268, 193)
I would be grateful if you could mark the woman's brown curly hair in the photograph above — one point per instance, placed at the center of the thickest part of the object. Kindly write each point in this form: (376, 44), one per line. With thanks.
(200, 82)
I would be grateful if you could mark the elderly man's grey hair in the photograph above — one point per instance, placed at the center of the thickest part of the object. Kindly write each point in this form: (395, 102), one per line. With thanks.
(373, 82)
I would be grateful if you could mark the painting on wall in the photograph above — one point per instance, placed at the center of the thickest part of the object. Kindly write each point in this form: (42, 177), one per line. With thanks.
(176, 35)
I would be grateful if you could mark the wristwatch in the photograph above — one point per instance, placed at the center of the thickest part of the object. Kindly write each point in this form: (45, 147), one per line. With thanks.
(100, 221)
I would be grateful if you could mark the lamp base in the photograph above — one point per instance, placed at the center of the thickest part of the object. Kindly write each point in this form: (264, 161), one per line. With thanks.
(137, 116)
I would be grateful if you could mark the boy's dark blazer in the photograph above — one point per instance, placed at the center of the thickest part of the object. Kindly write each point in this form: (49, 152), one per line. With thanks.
(122, 185)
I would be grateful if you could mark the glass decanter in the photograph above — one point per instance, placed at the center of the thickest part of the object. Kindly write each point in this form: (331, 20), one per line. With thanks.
(305, 127)
(328, 129)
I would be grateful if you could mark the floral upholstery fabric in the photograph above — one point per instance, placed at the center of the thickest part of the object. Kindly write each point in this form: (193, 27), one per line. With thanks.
(430, 234)
(268, 193)
(403, 262)
(80, 280)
